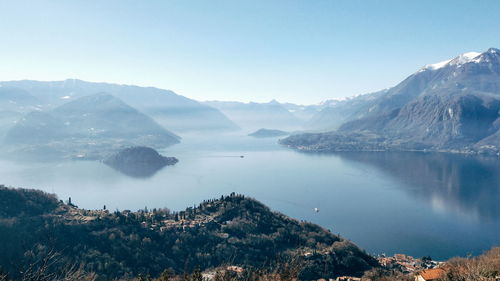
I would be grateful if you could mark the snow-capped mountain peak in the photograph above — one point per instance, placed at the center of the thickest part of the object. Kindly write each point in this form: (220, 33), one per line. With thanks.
(488, 56)
(493, 51)
(435, 66)
(461, 59)
(464, 58)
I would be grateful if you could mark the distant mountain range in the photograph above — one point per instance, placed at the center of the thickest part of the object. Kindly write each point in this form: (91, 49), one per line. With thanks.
(86, 120)
(447, 106)
(86, 127)
(252, 115)
(333, 113)
(174, 112)
(453, 105)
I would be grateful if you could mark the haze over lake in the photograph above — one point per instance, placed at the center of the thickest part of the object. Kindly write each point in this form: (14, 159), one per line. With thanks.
(415, 203)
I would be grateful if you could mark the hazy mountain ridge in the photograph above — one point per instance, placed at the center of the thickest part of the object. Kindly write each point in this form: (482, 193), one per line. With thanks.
(452, 106)
(173, 111)
(303, 112)
(14, 103)
(254, 115)
(335, 112)
(88, 127)
(15, 99)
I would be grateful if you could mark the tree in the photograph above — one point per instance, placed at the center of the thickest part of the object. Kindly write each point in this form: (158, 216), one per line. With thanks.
(197, 276)
(166, 275)
(426, 258)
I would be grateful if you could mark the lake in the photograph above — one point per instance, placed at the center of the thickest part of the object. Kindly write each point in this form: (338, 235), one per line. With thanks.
(419, 204)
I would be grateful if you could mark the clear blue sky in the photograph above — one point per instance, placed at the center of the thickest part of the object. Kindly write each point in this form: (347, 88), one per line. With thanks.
(298, 51)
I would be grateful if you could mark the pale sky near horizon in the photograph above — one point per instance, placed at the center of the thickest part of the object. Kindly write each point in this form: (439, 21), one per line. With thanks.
(294, 51)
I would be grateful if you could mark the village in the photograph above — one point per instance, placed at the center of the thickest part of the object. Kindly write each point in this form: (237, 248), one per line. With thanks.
(156, 219)
(407, 264)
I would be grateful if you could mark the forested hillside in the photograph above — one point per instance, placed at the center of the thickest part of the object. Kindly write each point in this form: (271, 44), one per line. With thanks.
(231, 230)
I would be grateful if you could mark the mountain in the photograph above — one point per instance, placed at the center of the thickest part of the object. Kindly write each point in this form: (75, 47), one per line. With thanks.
(453, 105)
(172, 111)
(36, 127)
(231, 230)
(14, 103)
(89, 125)
(333, 113)
(15, 99)
(303, 112)
(254, 115)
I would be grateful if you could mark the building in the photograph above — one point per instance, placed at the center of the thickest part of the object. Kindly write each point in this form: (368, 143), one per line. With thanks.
(236, 269)
(347, 278)
(430, 274)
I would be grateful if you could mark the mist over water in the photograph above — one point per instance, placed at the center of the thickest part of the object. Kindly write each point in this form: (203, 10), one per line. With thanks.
(419, 204)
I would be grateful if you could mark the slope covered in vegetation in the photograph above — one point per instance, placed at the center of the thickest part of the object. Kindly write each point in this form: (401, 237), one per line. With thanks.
(231, 230)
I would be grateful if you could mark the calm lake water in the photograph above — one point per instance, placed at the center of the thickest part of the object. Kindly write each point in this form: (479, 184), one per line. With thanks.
(415, 203)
